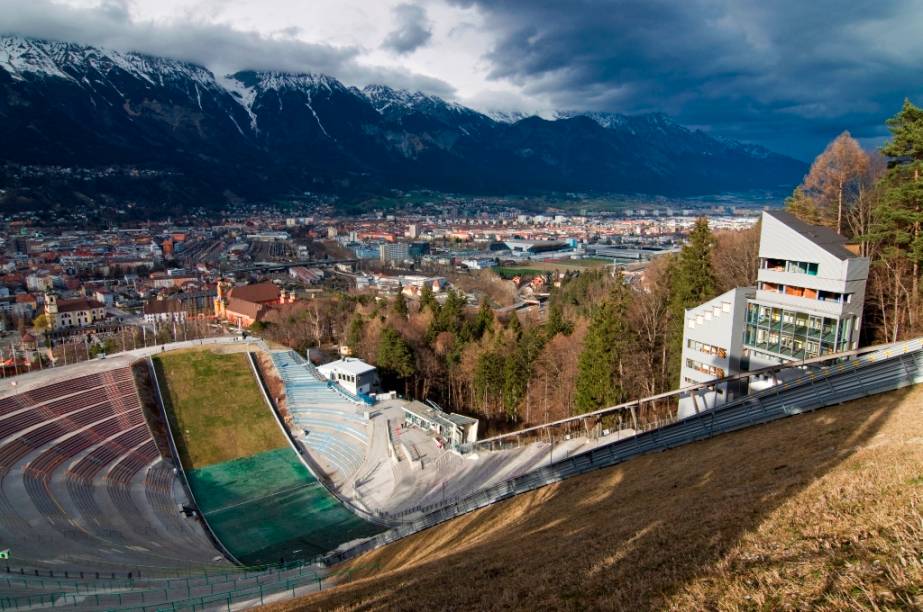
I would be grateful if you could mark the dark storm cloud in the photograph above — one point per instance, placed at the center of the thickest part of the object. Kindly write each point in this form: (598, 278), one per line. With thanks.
(789, 74)
(413, 30)
(219, 47)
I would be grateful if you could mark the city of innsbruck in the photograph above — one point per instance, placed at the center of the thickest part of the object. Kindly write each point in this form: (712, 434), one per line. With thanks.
(461, 305)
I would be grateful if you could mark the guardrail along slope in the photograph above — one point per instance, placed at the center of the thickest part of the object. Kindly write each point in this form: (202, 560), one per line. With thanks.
(821, 509)
(889, 369)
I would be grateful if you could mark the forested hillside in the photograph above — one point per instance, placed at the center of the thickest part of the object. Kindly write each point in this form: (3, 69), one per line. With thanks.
(603, 339)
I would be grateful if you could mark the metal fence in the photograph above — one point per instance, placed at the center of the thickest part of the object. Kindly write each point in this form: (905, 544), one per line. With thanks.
(178, 593)
(885, 370)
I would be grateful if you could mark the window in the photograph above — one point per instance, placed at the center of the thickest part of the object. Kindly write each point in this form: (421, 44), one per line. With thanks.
(793, 334)
(801, 267)
(705, 368)
(805, 292)
(708, 349)
(776, 265)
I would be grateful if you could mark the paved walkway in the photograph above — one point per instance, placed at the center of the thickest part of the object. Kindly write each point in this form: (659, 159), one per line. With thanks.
(395, 483)
(40, 378)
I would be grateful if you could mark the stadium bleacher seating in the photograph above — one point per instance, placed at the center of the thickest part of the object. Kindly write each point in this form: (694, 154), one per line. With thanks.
(83, 484)
(326, 417)
(91, 515)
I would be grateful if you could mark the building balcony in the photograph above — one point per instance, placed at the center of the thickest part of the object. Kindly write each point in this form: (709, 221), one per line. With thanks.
(776, 277)
(801, 304)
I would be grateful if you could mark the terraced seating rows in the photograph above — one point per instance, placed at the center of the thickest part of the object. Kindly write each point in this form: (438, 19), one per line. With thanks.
(75, 464)
(31, 399)
(335, 430)
(39, 471)
(119, 478)
(80, 476)
(334, 450)
(349, 430)
(24, 419)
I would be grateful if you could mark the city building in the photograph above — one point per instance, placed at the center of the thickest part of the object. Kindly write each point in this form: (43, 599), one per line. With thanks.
(354, 375)
(480, 263)
(807, 303)
(393, 251)
(246, 304)
(418, 249)
(307, 276)
(39, 282)
(164, 310)
(76, 312)
(104, 297)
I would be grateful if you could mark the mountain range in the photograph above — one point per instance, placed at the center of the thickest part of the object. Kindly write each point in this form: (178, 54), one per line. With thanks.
(262, 134)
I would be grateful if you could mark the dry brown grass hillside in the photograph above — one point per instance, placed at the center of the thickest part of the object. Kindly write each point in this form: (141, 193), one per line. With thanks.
(819, 511)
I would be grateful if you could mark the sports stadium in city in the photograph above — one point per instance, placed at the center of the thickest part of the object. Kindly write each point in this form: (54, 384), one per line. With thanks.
(225, 473)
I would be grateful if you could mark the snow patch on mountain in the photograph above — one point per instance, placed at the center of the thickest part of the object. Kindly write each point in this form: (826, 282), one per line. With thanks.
(388, 100)
(20, 56)
(243, 95)
(278, 81)
(25, 56)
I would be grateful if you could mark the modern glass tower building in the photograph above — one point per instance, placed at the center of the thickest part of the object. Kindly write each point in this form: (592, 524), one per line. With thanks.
(809, 295)
(807, 303)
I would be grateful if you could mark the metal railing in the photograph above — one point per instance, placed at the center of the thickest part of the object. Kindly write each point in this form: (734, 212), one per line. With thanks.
(887, 369)
(631, 407)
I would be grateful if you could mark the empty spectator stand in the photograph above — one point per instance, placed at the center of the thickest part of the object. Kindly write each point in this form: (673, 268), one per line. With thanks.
(326, 419)
(83, 485)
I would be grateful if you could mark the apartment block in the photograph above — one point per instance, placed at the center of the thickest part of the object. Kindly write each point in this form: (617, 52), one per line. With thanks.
(394, 251)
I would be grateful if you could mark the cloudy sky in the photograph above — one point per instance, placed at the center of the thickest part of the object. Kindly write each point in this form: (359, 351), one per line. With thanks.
(789, 74)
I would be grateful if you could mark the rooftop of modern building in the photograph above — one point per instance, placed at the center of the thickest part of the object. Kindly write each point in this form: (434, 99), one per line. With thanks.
(435, 415)
(824, 237)
(349, 365)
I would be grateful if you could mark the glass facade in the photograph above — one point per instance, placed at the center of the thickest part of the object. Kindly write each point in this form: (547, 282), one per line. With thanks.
(796, 335)
(786, 265)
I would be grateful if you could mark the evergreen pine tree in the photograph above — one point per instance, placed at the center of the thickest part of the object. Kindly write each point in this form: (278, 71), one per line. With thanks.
(692, 281)
(514, 325)
(599, 369)
(400, 304)
(427, 299)
(484, 323)
(556, 323)
(898, 221)
(487, 382)
(395, 357)
(354, 333)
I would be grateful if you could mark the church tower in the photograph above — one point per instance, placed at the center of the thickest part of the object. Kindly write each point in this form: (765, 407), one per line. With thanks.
(220, 299)
(51, 304)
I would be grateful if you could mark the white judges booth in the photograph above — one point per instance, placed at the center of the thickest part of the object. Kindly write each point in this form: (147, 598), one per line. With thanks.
(456, 429)
(355, 375)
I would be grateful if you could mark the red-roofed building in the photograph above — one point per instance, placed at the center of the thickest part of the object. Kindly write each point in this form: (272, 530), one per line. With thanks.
(246, 304)
(76, 312)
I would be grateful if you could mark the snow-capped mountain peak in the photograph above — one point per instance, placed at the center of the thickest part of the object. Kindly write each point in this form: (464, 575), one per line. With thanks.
(388, 100)
(84, 106)
(26, 57)
(265, 80)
